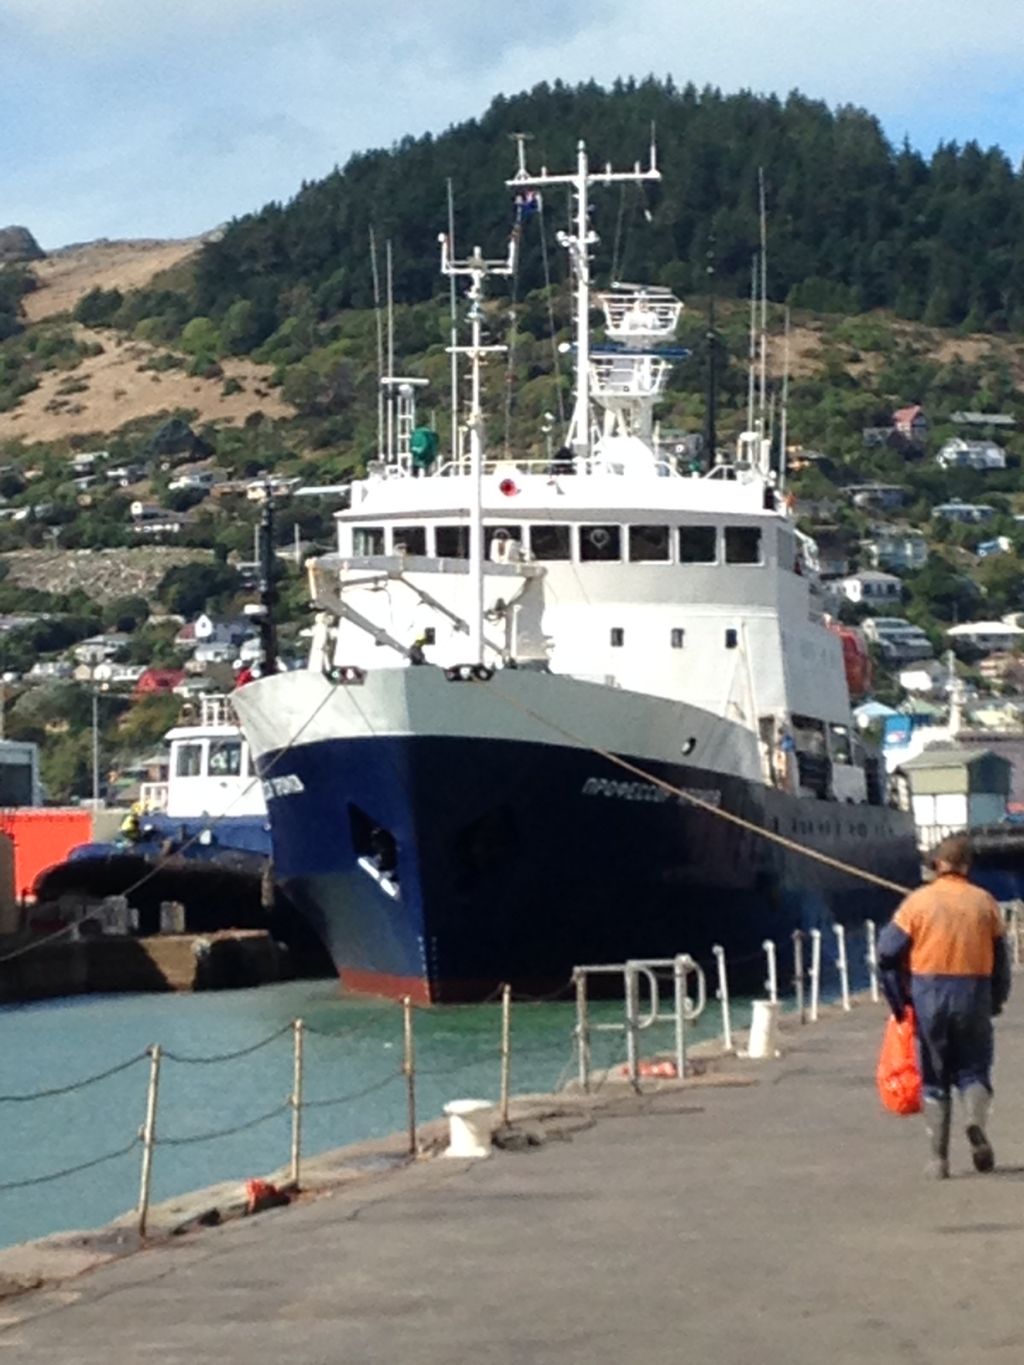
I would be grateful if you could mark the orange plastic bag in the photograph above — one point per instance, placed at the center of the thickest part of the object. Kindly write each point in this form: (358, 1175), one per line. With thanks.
(898, 1074)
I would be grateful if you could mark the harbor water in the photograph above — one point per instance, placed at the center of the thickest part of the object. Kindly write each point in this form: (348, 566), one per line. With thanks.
(352, 1085)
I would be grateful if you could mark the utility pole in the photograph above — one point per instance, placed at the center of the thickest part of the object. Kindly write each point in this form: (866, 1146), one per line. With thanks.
(95, 744)
(267, 587)
(712, 340)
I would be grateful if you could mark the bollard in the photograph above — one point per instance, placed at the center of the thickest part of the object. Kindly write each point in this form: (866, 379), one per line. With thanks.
(409, 1069)
(798, 973)
(871, 956)
(764, 1020)
(771, 985)
(815, 973)
(506, 1050)
(679, 969)
(296, 1100)
(582, 1031)
(148, 1136)
(841, 963)
(632, 1026)
(723, 996)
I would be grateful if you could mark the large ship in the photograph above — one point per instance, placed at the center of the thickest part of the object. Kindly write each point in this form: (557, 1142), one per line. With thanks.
(540, 687)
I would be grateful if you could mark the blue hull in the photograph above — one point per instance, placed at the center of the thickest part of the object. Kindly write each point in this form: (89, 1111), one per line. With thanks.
(515, 861)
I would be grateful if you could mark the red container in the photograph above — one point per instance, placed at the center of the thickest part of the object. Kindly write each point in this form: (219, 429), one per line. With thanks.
(42, 837)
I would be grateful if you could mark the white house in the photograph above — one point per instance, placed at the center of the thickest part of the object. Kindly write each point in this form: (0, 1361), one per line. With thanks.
(959, 453)
(954, 789)
(98, 648)
(898, 641)
(926, 675)
(896, 547)
(955, 510)
(986, 637)
(876, 589)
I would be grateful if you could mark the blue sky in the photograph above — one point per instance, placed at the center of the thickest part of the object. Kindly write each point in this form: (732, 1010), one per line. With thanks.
(126, 118)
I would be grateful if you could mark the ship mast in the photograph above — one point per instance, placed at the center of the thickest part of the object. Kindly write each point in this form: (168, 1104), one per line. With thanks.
(579, 243)
(477, 269)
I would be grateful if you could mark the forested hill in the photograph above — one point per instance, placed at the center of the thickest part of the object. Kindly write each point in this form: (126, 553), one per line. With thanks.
(855, 223)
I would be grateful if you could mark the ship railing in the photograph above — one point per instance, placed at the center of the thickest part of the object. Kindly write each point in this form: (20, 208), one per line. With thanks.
(630, 377)
(559, 465)
(153, 796)
(685, 1009)
(215, 708)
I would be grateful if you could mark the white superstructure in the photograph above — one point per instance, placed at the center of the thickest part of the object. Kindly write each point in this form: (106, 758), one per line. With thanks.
(210, 772)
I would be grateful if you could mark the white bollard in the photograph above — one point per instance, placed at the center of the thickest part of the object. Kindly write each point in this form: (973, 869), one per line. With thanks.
(764, 1023)
(871, 956)
(771, 984)
(469, 1128)
(723, 996)
(815, 974)
(841, 964)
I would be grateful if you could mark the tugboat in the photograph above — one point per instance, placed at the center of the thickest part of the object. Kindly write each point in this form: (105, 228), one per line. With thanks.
(539, 688)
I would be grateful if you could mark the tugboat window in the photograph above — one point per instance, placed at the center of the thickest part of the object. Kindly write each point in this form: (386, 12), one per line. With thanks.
(743, 545)
(452, 542)
(678, 637)
(551, 542)
(697, 545)
(411, 539)
(618, 637)
(225, 758)
(190, 760)
(600, 543)
(648, 544)
(731, 638)
(368, 540)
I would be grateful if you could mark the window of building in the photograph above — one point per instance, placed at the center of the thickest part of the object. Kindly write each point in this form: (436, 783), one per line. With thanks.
(618, 637)
(550, 542)
(732, 637)
(743, 545)
(411, 539)
(697, 545)
(452, 542)
(600, 543)
(368, 540)
(678, 637)
(225, 758)
(189, 761)
(648, 544)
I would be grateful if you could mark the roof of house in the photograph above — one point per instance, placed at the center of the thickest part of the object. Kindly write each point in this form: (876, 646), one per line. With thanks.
(939, 756)
(909, 413)
(985, 628)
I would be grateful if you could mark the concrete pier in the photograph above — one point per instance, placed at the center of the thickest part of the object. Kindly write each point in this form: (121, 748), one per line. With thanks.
(785, 1221)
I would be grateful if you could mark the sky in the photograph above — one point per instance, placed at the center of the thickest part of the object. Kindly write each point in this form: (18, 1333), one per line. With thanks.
(164, 118)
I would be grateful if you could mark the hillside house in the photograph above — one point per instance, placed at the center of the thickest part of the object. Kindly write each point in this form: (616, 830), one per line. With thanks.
(898, 641)
(985, 637)
(911, 423)
(926, 676)
(1002, 670)
(156, 682)
(1003, 420)
(958, 453)
(896, 547)
(953, 788)
(967, 512)
(878, 497)
(99, 648)
(873, 588)
(1001, 545)
(150, 520)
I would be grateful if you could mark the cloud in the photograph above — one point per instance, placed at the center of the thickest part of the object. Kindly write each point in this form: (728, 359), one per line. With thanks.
(149, 117)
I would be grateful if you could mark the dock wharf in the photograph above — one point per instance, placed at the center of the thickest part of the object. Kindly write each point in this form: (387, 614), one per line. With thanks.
(769, 1211)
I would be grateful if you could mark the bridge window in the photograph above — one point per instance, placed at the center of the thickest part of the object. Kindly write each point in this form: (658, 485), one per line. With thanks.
(410, 539)
(368, 540)
(499, 542)
(551, 542)
(452, 542)
(600, 543)
(678, 637)
(648, 544)
(225, 758)
(732, 637)
(618, 637)
(743, 545)
(697, 544)
(189, 762)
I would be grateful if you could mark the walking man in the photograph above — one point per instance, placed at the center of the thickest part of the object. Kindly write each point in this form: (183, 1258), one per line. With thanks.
(944, 951)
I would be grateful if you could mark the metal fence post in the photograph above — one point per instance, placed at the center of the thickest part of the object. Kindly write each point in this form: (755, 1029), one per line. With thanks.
(842, 965)
(582, 1030)
(506, 1048)
(632, 1024)
(723, 996)
(815, 973)
(679, 968)
(871, 956)
(409, 1069)
(148, 1136)
(798, 973)
(772, 983)
(296, 1100)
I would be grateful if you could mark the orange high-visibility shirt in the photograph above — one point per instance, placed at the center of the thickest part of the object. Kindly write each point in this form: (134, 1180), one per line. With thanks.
(952, 926)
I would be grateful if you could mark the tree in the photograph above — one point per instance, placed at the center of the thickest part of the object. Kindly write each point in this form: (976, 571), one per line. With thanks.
(98, 308)
(188, 588)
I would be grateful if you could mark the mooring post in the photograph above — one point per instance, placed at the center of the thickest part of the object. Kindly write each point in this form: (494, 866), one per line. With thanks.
(582, 1030)
(722, 992)
(871, 955)
(679, 969)
(772, 982)
(148, 1136)
(632, 1026)
(409, 1069)
(815, 973)
(506, 1048)
(798, 973)
(841, 964)
(296, 1100)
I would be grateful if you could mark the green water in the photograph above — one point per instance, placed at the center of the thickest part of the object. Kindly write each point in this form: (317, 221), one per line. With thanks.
(351, 1045)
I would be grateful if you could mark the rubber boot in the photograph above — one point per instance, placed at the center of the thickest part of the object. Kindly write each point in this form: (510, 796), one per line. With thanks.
(976, 1105)
(937, 1114)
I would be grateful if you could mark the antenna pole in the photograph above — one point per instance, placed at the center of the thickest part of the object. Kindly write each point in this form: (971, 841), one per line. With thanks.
(764, 302)
(389, 278)
(453, 327)
(784, 415)
(267, 588)
(712, 339)
(380, 344)
(752, 350)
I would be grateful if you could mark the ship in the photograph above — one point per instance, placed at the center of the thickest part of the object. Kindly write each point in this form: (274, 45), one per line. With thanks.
(576, 706)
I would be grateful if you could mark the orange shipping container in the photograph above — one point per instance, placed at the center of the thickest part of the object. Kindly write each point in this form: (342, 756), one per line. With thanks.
(42, 837)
